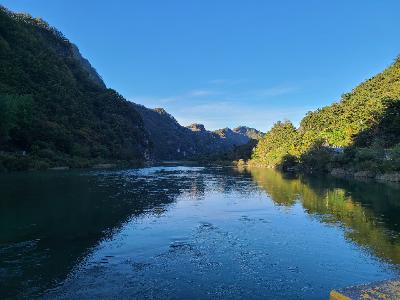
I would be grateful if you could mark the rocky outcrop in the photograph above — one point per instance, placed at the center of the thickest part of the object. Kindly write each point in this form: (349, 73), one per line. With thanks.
(393, 177)
(174, 142)
(232, 137)
(364, 174)
(196, 127)
(337, 172)
(251, 133)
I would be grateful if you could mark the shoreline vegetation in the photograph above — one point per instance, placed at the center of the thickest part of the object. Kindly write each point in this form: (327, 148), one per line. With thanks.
(55, 110)
(56, 113)
(358, 136)
(336, 172)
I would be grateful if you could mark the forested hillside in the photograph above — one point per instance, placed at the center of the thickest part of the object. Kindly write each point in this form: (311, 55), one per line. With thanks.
(54, 107)
(360, 132)
(174, 142)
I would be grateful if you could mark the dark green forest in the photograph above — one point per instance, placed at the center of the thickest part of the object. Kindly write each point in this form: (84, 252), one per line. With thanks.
(54, 108)
(359, 133)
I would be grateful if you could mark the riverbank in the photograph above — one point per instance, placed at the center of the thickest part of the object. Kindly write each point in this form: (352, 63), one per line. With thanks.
(389, 289)
(335, 172)
(11, 162)
(391, 177)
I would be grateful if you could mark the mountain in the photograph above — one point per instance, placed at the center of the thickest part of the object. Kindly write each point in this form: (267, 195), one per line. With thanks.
(357, 111)
(232, 137)
(251, 133)
(239, 135)
(173, 141)
(361, 132)
(54, 107)
(55, 110)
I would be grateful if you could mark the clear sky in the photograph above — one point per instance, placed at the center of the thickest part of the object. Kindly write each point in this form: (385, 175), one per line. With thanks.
(226, 63)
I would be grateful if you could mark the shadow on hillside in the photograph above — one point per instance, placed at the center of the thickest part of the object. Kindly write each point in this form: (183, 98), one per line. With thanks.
(386, 132)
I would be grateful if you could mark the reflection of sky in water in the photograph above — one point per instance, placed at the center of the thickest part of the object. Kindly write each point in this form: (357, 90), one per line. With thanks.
(193, 232)
(231, 235)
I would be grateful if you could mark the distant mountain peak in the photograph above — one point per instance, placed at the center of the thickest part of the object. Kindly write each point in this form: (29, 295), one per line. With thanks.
(249, 132)
(196, 127)
(161, 111)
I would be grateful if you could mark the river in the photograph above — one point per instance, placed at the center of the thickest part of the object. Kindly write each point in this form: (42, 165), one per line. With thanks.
(193, 232)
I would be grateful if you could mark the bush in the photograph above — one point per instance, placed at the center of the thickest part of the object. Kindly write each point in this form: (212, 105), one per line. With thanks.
(288, 163)
(318, 158)
(40, 165)
(46, 153)
(17, 163)
(240, 163)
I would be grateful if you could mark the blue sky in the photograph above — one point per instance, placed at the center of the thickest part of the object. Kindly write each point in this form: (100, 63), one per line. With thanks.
(226, 63)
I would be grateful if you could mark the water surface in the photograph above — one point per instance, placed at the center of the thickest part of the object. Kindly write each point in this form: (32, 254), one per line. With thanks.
(180, 232)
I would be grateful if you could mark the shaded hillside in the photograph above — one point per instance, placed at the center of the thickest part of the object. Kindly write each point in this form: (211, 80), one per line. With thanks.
(173, 141)
(361, 132)
(54, 107)
(249, 132)
(232, 137)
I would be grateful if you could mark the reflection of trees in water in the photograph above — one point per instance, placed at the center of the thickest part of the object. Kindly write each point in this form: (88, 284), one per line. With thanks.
(226, 180)
(371, 211)
(49, 221)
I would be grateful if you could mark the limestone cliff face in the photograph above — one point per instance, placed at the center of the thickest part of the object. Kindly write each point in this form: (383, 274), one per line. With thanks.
(232, 137)
(196, 127)
(173, 142)
(251, 133)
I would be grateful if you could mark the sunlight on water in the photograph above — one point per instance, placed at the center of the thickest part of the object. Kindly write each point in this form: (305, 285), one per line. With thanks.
(194, 232)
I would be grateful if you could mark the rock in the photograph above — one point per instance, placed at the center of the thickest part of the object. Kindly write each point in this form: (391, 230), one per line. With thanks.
(393, 177)
(59, 168)
(338, 172)
(196, 127)
(104, 166)
(378, 290)
(364, 174)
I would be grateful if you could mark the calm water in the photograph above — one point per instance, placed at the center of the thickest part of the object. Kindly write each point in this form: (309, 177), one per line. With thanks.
(180, 232)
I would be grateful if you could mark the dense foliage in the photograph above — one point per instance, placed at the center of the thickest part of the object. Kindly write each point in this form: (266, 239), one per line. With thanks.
(54, 108)
(360, 132)
(279, 142)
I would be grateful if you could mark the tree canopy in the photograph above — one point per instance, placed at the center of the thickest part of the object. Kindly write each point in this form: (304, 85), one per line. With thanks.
(368, 116)
(53, 104)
